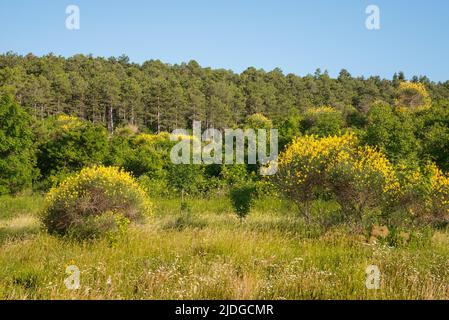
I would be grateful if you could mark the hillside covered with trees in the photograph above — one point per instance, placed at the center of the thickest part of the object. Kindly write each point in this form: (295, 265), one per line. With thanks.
(161, 97)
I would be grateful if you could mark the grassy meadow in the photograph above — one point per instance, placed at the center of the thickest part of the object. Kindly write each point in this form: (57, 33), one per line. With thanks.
(205, 252)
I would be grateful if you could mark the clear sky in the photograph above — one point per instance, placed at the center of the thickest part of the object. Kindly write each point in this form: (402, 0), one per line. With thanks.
(296, 36)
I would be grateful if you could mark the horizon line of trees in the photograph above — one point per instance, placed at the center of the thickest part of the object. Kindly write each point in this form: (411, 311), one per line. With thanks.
(158, 97)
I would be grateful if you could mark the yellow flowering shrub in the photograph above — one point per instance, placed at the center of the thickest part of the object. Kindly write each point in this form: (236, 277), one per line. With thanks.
(359, 177)
(424, 193)
(96, 200)
(302, 167)
(414, 188)
(437, 202)
(67, 123)
(362, 179)
(146, 138)
(321, 110)
(258, 121)
(413, 96)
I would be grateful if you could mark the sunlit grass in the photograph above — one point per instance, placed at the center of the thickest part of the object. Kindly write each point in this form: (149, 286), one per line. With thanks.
(209, 254)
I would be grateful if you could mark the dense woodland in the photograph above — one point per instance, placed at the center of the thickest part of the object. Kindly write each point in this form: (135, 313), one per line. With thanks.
(161, 97)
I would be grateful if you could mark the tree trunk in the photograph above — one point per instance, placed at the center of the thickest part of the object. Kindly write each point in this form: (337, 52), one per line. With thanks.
(158, 118)
(110, 120)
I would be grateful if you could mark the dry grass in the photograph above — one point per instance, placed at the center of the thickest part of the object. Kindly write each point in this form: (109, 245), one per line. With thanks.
(211, 255)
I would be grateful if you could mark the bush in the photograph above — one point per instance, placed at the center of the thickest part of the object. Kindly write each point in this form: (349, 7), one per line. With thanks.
(95, 201)
(359, 178)
(437, 201)
(362, 180)
(70, 145)
(154, 186)
(301, 175)
(392, 132)
(413, 96)
(258, 121)
(323, 121)
(189, 178)
(142, 154)
(242, 198)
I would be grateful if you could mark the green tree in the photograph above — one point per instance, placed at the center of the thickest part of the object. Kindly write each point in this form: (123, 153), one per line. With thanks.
(323, 121)
(242, 198)
(392, 132)
(17, 151)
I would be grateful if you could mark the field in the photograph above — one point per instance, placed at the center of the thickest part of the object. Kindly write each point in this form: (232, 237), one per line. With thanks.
(207, 253)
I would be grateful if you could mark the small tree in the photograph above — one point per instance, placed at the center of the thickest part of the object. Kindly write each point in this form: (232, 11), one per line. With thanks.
(392, 132)
(242, 198)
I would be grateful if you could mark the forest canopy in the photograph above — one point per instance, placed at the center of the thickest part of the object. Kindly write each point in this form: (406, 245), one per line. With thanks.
(161, 97)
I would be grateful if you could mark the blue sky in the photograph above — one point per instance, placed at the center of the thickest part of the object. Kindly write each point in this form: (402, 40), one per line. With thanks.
(296, 36)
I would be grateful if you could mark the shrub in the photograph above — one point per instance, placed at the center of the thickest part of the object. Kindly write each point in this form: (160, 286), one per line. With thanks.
(437, 201)
(70, 145)
(186, 177)
(413, 96)
(323, 121)
(362, 179)
(258, 121)
(302, 174)
(242, 198)
(94, 201)
(359, 178)
(146, 157)
(155, 187)
(289, 129)
(392, 132)
(425, 194)
(234, 173)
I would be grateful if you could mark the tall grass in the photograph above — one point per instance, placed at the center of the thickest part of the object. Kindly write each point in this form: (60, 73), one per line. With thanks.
(204, 252)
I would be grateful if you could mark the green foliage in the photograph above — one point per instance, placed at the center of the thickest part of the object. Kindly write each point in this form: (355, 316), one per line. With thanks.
(323, 121)
(71, 144)
(289, 129)
(93, 202)
(406, 121)
(17, 150)
(155, 187)
(392, 132)
(258, 121)
(433, 130)
(161, 97)
(242, 198)
(145, 156)
(189, 178)
(234, 174)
